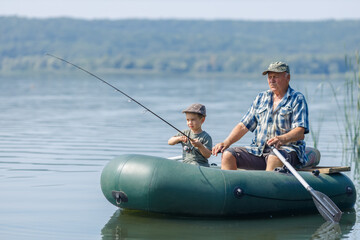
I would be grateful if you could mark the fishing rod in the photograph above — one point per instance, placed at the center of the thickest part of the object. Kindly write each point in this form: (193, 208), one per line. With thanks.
(132, 99)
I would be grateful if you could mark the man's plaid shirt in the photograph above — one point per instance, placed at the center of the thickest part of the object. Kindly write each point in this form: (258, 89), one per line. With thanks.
(291, 112)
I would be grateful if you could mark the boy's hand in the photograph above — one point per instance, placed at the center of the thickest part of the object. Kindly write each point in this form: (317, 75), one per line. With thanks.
(203, 150)
(196, 143)
(176, 139)
(183, 139)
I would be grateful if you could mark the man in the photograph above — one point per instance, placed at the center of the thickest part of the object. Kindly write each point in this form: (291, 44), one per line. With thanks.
(278, 117)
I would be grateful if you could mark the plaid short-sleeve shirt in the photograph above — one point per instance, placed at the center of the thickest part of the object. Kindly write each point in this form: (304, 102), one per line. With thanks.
(291, 112)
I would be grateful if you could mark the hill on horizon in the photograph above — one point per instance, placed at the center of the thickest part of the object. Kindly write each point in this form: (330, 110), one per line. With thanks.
(176, 46)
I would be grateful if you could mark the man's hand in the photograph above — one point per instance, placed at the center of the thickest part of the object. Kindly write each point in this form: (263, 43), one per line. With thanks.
(219, 148)
(294, 135)
(276, 142)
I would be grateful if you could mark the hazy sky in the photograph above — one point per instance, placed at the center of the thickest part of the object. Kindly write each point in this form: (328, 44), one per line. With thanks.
(185, 9)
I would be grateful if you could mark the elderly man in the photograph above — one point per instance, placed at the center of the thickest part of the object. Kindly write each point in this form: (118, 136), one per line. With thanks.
(278, 117)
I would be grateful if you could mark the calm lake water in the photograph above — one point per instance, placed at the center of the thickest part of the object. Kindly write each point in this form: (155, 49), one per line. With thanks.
(58, 134)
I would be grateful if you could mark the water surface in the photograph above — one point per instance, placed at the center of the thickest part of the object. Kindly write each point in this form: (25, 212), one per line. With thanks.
(58, 134)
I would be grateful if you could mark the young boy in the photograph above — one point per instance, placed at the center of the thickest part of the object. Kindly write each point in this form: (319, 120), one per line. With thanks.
(198, 150)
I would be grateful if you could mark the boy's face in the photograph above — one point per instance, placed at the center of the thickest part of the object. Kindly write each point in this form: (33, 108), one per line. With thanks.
(194, 121)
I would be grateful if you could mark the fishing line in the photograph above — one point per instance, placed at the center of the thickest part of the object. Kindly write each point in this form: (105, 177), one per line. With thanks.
(132, 99)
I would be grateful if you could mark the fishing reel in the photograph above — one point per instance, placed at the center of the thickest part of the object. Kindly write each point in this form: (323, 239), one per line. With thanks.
(188, 148)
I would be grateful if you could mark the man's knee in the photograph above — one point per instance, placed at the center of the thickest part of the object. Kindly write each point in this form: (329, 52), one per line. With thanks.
(227, 155)
(228, 161)
(273, 162)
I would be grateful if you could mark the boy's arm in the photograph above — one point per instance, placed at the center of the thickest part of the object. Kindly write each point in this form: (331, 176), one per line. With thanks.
(203, 150)
(176, 139)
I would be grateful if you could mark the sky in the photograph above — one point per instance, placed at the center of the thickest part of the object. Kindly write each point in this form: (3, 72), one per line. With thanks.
(304, 10)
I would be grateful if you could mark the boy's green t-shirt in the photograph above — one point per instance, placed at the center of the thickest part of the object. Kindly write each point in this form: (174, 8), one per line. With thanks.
(194, 155)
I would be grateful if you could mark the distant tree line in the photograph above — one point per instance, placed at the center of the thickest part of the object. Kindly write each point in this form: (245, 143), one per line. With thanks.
(175, 46)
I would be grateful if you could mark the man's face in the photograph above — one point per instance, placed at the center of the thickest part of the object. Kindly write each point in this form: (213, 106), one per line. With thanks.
(278, 82)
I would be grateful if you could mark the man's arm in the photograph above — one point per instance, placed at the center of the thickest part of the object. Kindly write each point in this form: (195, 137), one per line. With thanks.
(294, 135)
(236, 134)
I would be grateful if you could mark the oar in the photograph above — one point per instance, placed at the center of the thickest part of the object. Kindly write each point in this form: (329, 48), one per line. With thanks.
(323, 203)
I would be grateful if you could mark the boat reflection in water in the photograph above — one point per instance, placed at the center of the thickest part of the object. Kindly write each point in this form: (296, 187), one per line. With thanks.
(142, 225)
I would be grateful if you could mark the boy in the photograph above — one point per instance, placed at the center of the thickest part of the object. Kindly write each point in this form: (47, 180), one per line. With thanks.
(197, 151)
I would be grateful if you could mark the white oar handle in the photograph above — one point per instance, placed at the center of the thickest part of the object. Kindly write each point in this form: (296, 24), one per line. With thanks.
(292, 170)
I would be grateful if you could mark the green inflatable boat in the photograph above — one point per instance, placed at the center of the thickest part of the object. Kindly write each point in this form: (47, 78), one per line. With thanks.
(160, 185)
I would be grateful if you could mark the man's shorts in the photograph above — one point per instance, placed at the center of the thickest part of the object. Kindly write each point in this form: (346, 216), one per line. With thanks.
(246, 160)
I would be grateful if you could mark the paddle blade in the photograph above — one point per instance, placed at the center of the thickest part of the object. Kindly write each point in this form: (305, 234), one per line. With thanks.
(327, 208)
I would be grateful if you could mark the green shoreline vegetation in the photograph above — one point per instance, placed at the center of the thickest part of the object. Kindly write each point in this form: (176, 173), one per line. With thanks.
(189, 47)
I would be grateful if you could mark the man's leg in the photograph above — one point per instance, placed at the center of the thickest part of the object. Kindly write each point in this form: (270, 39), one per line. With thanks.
(239, 157)
(273, 162)
(228, 161)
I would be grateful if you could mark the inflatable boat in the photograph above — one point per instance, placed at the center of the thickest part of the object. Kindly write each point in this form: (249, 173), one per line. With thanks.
(161, 185)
